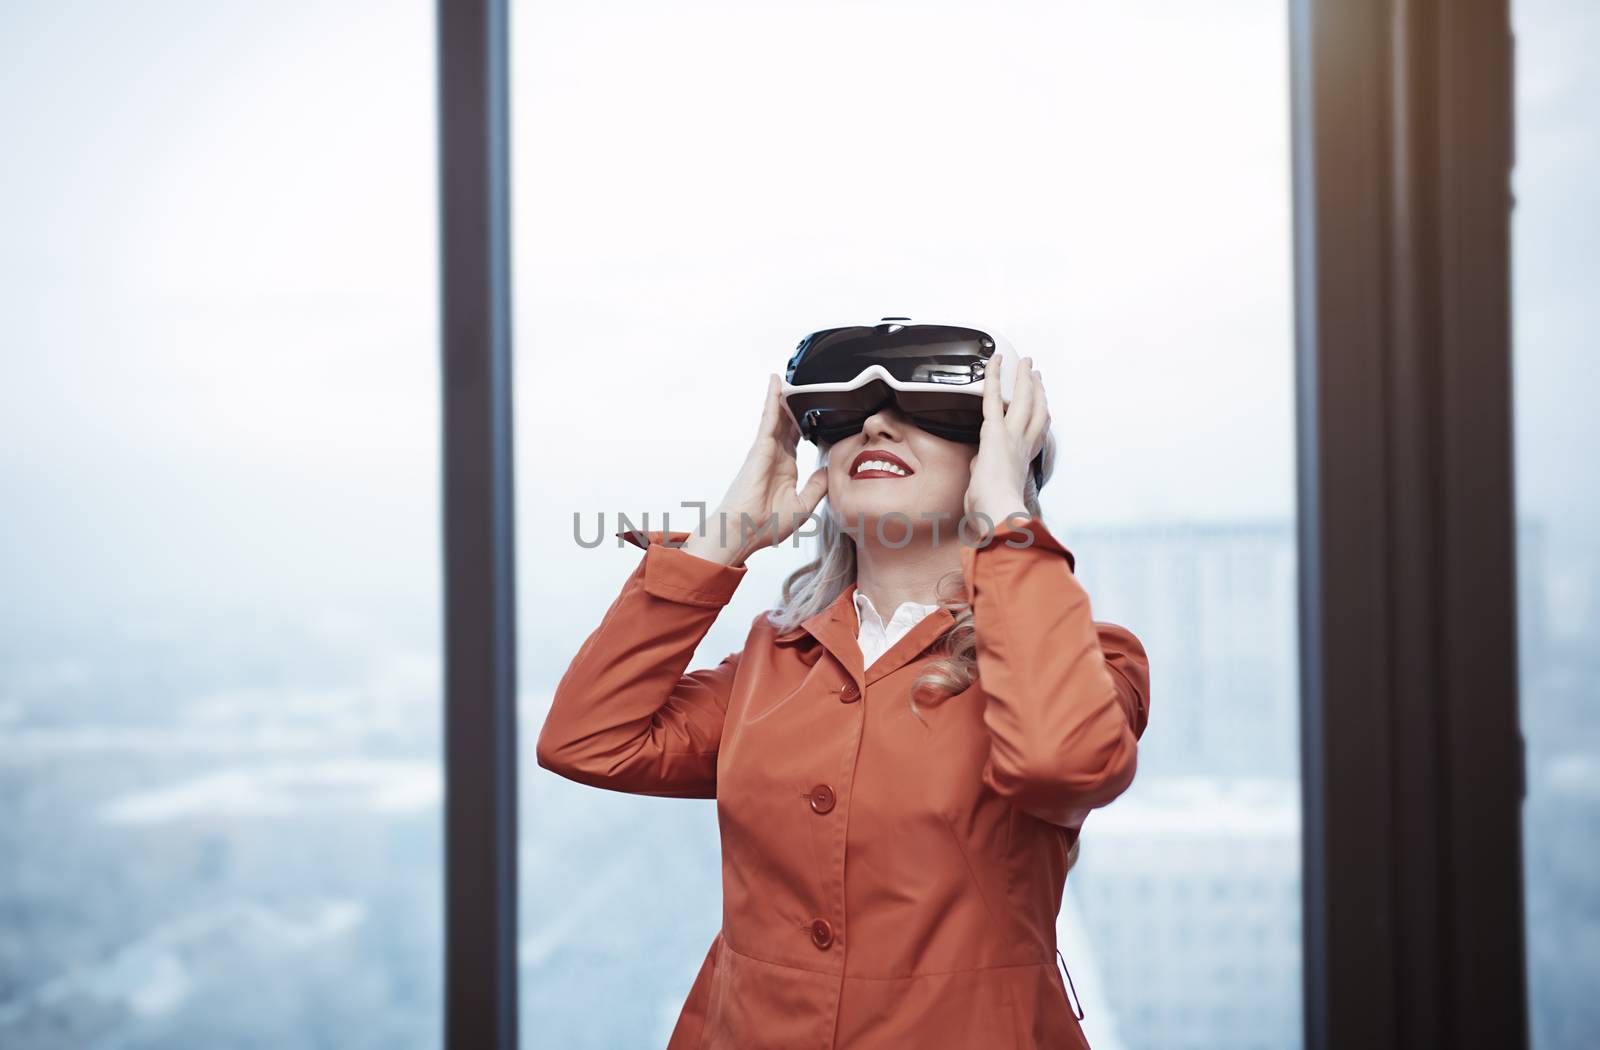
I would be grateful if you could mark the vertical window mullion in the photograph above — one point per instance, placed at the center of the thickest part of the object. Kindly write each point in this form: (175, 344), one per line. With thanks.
(1411, 751)
(480, 626)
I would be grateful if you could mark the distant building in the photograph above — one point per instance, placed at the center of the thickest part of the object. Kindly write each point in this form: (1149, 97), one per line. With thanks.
(1190, 894)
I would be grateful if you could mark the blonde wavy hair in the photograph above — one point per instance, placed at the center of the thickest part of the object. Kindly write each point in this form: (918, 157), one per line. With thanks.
(815, 585)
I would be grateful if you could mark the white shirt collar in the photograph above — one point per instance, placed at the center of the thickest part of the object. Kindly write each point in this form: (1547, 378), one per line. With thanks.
(876, 637)
(908, 613)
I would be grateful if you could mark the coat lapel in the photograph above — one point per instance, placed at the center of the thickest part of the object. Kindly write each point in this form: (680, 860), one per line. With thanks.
(924, 633)
(836, 627)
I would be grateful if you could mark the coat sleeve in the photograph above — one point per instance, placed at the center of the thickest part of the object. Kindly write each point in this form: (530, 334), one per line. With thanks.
(625, 715)
(1067, 698)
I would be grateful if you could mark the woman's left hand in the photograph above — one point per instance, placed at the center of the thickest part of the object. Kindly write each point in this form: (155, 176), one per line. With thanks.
(1009, 439)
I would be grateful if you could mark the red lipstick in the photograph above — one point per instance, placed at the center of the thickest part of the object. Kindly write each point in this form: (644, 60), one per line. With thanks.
(879, 455)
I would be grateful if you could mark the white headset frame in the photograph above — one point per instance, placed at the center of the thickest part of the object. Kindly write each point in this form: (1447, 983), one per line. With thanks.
(877, 373)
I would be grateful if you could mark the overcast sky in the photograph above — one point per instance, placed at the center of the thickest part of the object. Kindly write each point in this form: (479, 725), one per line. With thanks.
(219, 277)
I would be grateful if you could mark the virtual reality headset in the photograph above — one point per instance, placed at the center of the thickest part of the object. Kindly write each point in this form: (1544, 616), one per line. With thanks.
(932, 372)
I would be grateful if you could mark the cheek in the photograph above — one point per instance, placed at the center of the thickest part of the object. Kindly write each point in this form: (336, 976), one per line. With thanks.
(951, 469)
(951, 489)
(945, 483)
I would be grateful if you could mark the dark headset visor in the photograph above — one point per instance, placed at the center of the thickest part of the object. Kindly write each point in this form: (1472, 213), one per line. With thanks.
(914, 353)
(830, 415)
(834, 416)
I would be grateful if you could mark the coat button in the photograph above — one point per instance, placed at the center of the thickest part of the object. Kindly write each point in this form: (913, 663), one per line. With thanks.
(821, 933)
(822, 798)
(849, 694)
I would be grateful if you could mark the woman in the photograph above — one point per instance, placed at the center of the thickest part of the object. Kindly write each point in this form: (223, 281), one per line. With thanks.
(898, 803)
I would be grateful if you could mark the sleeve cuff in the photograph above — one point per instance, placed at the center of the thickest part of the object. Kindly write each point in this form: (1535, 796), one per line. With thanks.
(674, 574)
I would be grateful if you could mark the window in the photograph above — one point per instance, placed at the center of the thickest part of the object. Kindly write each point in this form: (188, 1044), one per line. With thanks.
(1111, 179)
(1555, 274)
(219, 662)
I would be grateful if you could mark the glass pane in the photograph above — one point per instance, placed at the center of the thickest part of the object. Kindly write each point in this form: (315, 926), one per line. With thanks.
(219, 659)
(698, 186)
(1555, 271)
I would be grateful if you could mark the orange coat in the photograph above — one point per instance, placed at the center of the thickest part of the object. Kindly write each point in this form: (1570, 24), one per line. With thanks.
(885, 885)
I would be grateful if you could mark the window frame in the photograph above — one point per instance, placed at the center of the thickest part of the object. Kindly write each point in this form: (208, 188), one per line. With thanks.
(1411, 749)
(480, 707)
(1412, 778)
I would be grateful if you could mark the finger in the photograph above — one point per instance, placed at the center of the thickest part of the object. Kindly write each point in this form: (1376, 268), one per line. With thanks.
(769, 411)
(815, 488)
(993, 408)
(1020, 410)
(788, 431)
(1039, 419)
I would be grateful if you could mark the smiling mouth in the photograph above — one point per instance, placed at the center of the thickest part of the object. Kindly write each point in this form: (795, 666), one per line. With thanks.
(879, 466)
(878, 469)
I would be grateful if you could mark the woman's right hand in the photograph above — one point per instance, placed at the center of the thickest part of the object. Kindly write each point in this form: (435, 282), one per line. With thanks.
(766, 485)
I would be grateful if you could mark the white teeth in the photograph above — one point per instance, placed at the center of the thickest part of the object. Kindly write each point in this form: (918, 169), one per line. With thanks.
(881, 464)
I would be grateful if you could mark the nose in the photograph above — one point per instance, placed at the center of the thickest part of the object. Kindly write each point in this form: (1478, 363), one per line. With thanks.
(886, 422)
